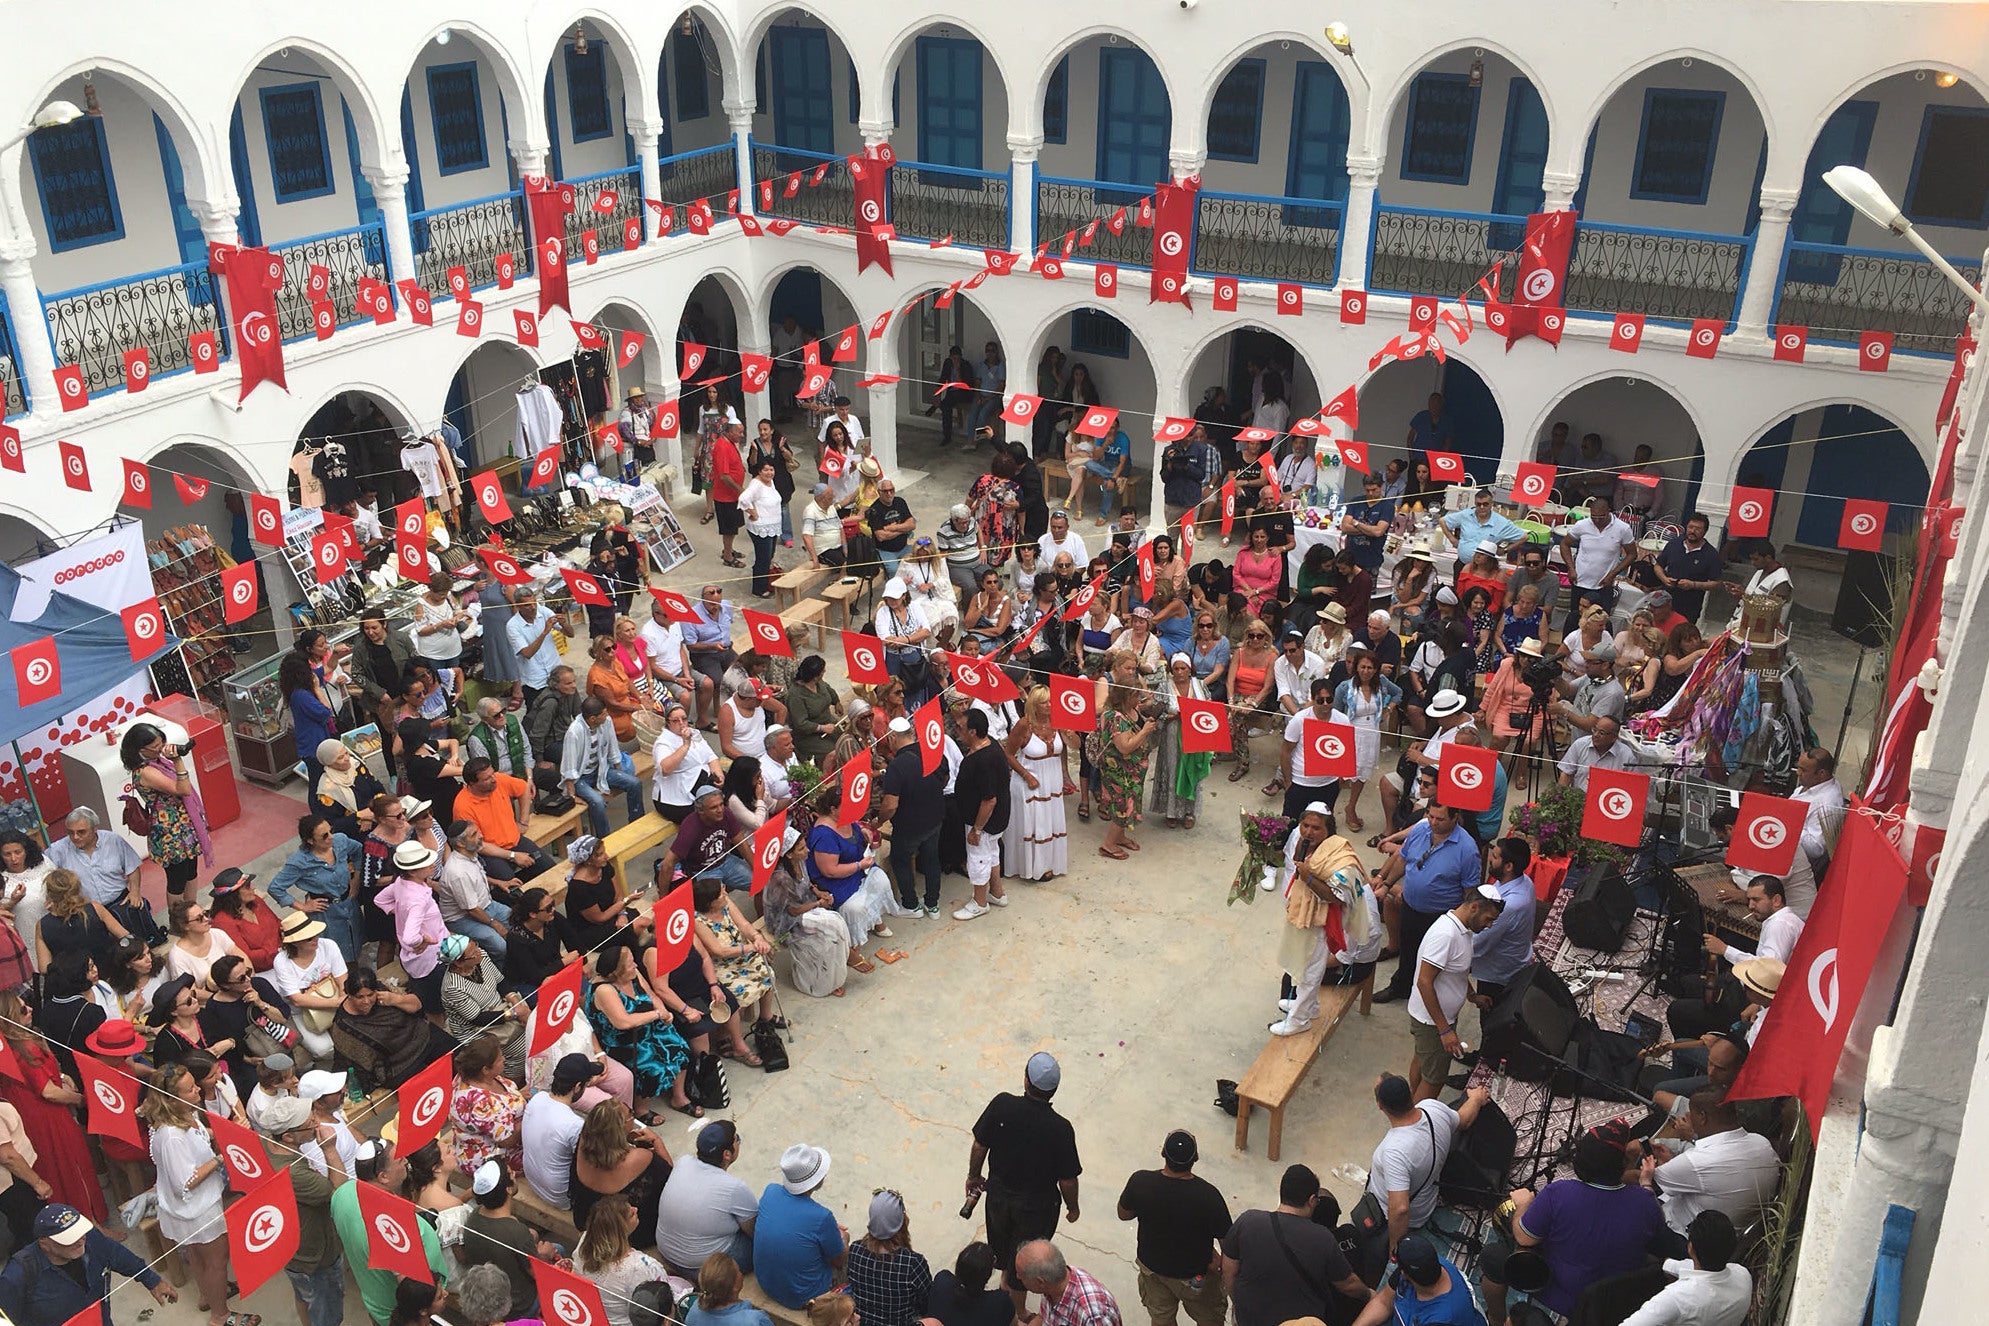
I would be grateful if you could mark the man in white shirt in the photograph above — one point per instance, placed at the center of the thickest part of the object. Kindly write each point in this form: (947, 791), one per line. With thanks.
(530, 631)
(1402, 1173)
(1770, 577)
(1781, 927)
(1710, 1289)
(462, 893)
(670, 664)
(1723, 1168)
(1818, 788)
(1602, 748)
(1443, 984)
(841, 415)
(1295, 670)
(704, 1209)
(550, 1128)
(1061, 539)
(1305, 784)
(1597, 550)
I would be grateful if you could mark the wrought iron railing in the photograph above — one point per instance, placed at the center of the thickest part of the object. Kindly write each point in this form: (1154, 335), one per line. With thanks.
(471, 236)
(1419, 251)
(626, 185)
(349, 255)
(93, 326)
(1277, 239)
(931, 202)
(830, 203)
(1677, 274)
(1838, 292)
(13, 393)
(1064, 205)
(705, 173)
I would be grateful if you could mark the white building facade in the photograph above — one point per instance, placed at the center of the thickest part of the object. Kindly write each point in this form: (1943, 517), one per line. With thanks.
(390, 140)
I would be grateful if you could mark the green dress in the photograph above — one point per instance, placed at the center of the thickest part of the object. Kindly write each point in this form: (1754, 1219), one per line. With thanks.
(1122, 776)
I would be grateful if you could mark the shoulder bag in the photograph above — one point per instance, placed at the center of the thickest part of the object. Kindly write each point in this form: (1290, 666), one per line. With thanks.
(1370, 1219)
(1335, 1308)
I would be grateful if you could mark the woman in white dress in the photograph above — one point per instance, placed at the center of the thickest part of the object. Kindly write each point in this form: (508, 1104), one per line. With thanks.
(1167, 800)
(197, 943)
(191, 1186)
(607, 1257)
(1036, 843)
(1365, 699)
(22, 871)
(924, 572)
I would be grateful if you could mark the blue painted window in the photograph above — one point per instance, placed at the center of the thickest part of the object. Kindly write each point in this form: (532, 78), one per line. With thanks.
(186, 226)
(1821, 217)
(1096, 333)
(249, 223)
(552, 130)
(455, 108)
(73, 175)
(687, 67)
(799, 88)
(1056, 104)
(949, 88)
(588, 116)
(1236, 117)
(1675, 145)
(1133, 121)
(1522, 153)
(293, 127)
(1441, 125)
(1317, 166)
(1950, 184)
(362, 192)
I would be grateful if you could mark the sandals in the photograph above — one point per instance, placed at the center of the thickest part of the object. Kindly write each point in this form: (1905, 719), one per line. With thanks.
(243, 1319)
(1084, 811)
(705, 519)
(689, 1108)
(1112, 852)
(777, 1022)
(1187, 821)
(748, 1058)
(887, 956)
(1239, 773)
(1275, 786)
(1375, 841)
(1129, 845)
(859, 963)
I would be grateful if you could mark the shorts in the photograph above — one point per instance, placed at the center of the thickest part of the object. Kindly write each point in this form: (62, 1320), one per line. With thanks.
(1205, 1301)
(729, 519)
(1015, 1219)
(984, 862)
(1431, 1057)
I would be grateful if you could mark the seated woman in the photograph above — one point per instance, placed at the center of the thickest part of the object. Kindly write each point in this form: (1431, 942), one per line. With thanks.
(346, 790)
(196, 943)
(745, 789)
(843, 864)
(1485, 569)
(990, 613)
(636, 1027)
(738, 950)
(473, 1004)
(608, 1258)
(597, 911)
(924, 572)
(380, 1033)
(533, 949)
(1314, 587)
(684, 759)
(617, 1155)
(805, 920)
(718, 1302)
(1258, 570)
(487, 1106)
(1666, 676)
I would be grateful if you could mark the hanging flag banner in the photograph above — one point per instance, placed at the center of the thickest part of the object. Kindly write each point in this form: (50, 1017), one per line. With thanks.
(263, 1233)
(424, 1106)
(75, 468)
(931, 730)
(1790, 343)
(766, 850)
(241, 1153)
(1353, 308)
(253, 277)
(137, 369)
(1291, 299)
(554, 1009)
(526, 325)
(1466, 776)
(867, 201)
(1767, 834)
(137, 485)
(1749, 512)
(1204, 727)
(1863, 525)
(1613, 811)
(547, 207)
(1073, 703)
(768, 633)
(856, 792)
(1174, 209)
(266, 520)
(144, 629)
(1703, 341)
(1224, 297)
(393, 1234)
(1540, 288)
(1628, 333)
(863, 655)
(1533, 484)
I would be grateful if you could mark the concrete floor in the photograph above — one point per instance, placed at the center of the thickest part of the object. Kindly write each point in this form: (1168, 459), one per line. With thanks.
(1135, 975)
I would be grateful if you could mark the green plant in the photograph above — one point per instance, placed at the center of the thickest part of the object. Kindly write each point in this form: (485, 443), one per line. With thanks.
(1554, 822)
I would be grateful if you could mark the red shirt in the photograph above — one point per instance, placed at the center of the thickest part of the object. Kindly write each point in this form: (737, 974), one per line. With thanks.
(256, 932)
(728, 471)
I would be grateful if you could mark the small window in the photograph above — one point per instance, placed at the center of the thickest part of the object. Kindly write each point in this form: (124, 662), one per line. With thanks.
(1096, 333)
(1237, 113)
(1950, 184)
(73, 175)
(293, 127)
(687, 67)
(587, 93)
(1443, 121)
(1056, 104)
(1675, 147)
(455, 105)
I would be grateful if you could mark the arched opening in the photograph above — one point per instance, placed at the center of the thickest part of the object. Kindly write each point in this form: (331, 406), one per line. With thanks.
(1277, 128)
(806, 100)
(1107, 122)
(119, 252)
(691, 88)
(819, 311)
(1680, 146)
(1816, 458)
(587, 84)
(1413, 406)
(1239, 363)
(930, 421)
(22, 540)
(952, 140)
(482, 404)
(1122, 378)
(212, 497)
(1625, 415)
(1842, 277)
(605, 379)
(463, 207)
(350, 443)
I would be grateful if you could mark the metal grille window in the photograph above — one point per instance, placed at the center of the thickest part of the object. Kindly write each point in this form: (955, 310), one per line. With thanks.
(688, 70)
(1237, 114)
(73, 175)
(455, 106)
(1675, 146)
(587, 93)
(293, 127)
(1950, 184)
(1443, 121)
(1056, 104)
(1096, 333)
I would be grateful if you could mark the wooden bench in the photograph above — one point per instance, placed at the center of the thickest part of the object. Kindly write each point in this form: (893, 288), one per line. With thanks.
(632, 840)
(842, 595)
(791, 586)
(1283, 1064)
(548, 831)
(812, 613)
(532, 1208)
(1129, 484)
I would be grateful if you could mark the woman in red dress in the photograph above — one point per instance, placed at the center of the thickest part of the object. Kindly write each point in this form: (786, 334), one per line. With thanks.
(45, 1100)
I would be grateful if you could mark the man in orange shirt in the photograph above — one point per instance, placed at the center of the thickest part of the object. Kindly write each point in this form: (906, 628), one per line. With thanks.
(500, 806)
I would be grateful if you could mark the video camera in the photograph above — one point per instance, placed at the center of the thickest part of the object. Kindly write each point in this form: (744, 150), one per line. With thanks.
(1541, 674)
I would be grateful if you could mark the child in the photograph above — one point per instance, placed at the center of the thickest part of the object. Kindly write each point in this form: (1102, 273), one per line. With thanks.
(275, 1076)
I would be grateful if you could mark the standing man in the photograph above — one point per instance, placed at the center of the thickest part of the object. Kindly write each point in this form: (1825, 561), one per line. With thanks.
(1481, 524)
(1181, 1220)
(1688, 566)
(1366, 523)
(66, 1271)
(914, 805)
(1533, 571)
(1183, 480)
(1277, 1265)
(317, 1272)
(710, 641)
(1429, 1288)
(1430, 430)
(1407, 1161)
(379, 1166)
(592, 765)
(1817, 787)
(1443, 984)
(1770, 577)
(1506, 945)
(1070, 1297)
(993, 376)
(1438, 863)
(958, 539)
(1597, 549)
(1030, 1154)
(635, 425)
(981, 792)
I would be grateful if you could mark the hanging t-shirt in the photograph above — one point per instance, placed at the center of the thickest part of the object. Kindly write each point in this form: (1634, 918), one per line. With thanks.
(310, 490)
(334, 469)
(420, 459)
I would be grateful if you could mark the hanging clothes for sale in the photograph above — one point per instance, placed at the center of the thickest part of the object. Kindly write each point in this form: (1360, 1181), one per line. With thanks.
(539, 419)
(310, 490)
(334, 469)
(421, 457)
(591, 367)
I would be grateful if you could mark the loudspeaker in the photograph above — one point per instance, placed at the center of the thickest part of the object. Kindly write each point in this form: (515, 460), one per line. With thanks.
(1599, 912)
(1609, 1062)
(1475, 1174)
(1536, 1014)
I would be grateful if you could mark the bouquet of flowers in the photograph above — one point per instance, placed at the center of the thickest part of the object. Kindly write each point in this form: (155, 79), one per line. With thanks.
(1554, 824)
(1263, 849)
(807, 777)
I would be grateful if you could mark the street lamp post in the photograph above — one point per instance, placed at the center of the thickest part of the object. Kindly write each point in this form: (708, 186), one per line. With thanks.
(1859, 189)
(54, 113)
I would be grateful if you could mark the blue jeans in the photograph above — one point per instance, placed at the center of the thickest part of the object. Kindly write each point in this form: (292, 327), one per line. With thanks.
(621, 777)
(890, 560)
(491, 942)
(322, 1293)
(1108, 498)
(984, 409)
(733, 872)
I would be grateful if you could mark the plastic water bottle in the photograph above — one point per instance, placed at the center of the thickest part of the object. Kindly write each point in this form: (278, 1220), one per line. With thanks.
(1350, 1174)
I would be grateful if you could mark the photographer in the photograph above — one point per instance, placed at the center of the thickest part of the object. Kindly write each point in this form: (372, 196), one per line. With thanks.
(1515, 703)
(176, 821)
(1268, 1256)
(1597, 695)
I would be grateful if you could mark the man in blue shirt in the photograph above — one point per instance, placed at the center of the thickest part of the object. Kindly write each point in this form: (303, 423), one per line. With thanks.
(1468, 529)
(799, 1250)
(1430, 430)
(1108, 467)
(1365, 524)
(1425, 1289)
(67, 1269)
(1506, 945)
(709, 640)
(993, 375)
(1183, 476)
(1438, 863)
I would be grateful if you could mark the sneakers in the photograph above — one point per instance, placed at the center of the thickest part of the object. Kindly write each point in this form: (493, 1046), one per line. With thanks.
(1287, 1005)
(998, 900)
(1286, 1027)
(970, 911)
(882, 932)
(932, 911)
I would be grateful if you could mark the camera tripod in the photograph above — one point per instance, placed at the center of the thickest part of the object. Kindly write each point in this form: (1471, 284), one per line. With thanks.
(1534, 755)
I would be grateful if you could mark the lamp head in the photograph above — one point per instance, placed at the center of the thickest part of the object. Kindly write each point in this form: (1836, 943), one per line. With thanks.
(56, 112)
(1859, 189)
(1339, 38)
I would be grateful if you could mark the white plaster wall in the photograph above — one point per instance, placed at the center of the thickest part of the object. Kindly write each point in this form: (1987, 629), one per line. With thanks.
(439, 190)
(1903, 100)
(148, 242)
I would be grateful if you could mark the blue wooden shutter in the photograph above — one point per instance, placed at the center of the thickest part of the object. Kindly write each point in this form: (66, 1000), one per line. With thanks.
(362, 192)
(1317, 167)
(1133, 120)
(552, 130)
(693, 85)
(1821, 217)
(587, 93)
(293, 127)
(1676, 144)
(1438, 133)
(1056, 104)
(249, 224)
(949, 92)
(801, 91)
(1948, 186)
(186, 226)
(73, 175)
(1522, 163)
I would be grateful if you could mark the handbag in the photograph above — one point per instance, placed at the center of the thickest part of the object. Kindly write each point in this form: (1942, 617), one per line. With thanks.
(136, 818)
(265, 1036)
(318, 1020)
(1370, 1220)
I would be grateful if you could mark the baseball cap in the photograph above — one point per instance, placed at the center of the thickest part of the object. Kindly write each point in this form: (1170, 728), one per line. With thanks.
(574, 1069)
(715, 1137)
(1043, 1071)
(894, 589)
(318, 1083)
(64, 1224)
(1418, 1260)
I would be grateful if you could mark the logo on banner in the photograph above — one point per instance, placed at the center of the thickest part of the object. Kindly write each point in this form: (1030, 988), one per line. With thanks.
(1615, 804)
(1288, 297)
(107, 1095)
(678, 927)
(1072, 703)
(1822, 983)
(265, 1227)
(865, 658)
(1539, 285)
(1863, 523)
(242, 1160)
(391, 1233)
(1750, 512)
(1331, 749)
(74, 464)
(243, 592)
(1533, 485)
(82, 569)
(1767, 833)
(1204, 722)
(569, 1308)
(1169, 243)
(872, 213)
(1466, 776)
(1791, 341)
(1107, 279)
(429, 1106)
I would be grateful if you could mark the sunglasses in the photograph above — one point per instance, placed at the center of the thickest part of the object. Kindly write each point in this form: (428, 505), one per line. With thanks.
(1256, 635)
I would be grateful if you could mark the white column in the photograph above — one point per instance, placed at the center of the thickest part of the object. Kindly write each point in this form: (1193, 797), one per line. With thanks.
(884, 426)
(1357, 221)
(529, 156)
(1181, 165)
(739, 114)
(645, 133)
(1560, 190)
(1764, 268)
(1022, 154)
(36, 362)
(389, 185)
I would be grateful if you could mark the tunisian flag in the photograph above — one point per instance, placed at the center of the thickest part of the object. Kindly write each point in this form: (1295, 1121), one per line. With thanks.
(868, 175)
(1543, 274)
(253, 278)
(1173, 223)
(1796, 1053)
(548, 205)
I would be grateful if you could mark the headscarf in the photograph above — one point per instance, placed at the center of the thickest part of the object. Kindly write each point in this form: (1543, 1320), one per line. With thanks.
(334, 783)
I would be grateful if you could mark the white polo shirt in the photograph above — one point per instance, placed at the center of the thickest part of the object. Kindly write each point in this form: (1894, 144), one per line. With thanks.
(665, 641)
(1449, 949)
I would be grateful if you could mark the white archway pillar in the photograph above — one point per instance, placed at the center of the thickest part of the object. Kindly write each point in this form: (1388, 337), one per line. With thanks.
(646, 134)
(1764, 265)
(1023, 152)
(1357, 221)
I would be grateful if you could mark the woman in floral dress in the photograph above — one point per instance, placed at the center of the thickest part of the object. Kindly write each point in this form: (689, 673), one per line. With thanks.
(995, 501)
(1126, 745)
(159, 777)
(738, 951)
(487, 1107)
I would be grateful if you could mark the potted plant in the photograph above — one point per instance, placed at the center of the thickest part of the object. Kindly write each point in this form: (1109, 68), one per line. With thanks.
(1552, 822)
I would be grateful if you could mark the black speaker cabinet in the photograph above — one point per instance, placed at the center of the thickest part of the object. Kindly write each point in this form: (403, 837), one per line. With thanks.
(1536, 1014)
(1599, 912)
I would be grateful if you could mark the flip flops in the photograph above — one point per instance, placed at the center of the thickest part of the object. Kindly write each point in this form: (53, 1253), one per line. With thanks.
(891, 955)
(1112, 852)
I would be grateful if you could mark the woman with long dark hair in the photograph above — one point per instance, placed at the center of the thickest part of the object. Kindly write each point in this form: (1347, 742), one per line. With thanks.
(311, 715)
